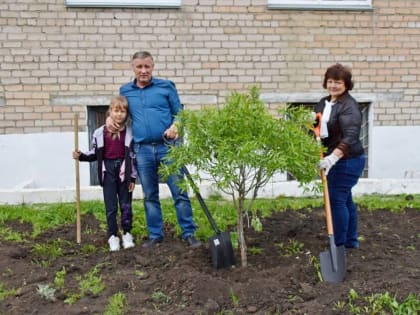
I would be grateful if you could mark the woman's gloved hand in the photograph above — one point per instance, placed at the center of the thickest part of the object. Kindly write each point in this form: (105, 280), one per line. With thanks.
(328, 162)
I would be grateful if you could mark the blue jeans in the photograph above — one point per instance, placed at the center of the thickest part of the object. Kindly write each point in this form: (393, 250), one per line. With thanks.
(341, 179)
(116, 192)
(149, 158)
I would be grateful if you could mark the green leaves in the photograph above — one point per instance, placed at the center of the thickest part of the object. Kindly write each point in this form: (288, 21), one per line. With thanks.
(242, 146)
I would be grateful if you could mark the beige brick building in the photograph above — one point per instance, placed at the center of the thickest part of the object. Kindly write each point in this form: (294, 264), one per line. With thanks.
(57, 60)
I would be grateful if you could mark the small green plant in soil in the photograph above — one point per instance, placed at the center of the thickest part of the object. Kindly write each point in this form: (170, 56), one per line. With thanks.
(8, 234)
(292, 248)
(4, 292)
(255, 250)
(256, 222)
(234, 297)
(88, 249)
(378, 304)
(46, 292)
(141, 274)
(59, 278)
(89, 283)
(117, 305)
(160, 297)
(48, 252)
(314, 261)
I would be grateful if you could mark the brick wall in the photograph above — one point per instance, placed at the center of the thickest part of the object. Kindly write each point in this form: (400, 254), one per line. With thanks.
(54, 61)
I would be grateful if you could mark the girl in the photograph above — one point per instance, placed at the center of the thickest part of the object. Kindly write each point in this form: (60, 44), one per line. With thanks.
(117, 175)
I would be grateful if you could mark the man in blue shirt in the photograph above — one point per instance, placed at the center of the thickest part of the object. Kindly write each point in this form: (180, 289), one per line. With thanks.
(152, 105)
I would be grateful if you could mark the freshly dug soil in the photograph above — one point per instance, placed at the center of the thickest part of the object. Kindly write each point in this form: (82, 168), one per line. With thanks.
(173, 279)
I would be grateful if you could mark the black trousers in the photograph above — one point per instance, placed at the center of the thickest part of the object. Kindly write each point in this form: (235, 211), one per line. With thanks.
(116, 194)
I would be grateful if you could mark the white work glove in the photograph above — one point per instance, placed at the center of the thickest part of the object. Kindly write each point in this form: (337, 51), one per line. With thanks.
(327, 162)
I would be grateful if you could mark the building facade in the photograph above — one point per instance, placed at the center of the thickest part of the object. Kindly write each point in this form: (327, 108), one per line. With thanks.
(59, 58)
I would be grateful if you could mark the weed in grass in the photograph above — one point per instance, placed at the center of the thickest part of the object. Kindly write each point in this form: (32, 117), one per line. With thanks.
(292, 248)
(234, 297)
(141, 274)
(234, 239)
(411, 248)
(314, 261)
(292, 298)
(46, 292)
(60, 278)
(394, 203)
(41, 263)
(255, 250)
(9, 235)
(256, 223)
(72, 298)
(411, 305)
(50, 217)
(4, 292)
(88, 249)
(117, 305)
(51, 250)
(160, 297)
(89, 283)
(339, 306)
(380, 304)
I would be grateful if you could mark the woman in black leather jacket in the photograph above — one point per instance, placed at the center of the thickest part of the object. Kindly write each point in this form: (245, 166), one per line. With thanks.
(344, 159)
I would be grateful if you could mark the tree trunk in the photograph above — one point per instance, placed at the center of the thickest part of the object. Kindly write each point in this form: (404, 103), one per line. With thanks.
(241, 238)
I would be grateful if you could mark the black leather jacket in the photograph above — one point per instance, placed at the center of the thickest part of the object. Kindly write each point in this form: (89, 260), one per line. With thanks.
(343, 126)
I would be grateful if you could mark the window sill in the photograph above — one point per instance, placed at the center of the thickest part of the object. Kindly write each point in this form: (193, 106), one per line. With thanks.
(125, 3)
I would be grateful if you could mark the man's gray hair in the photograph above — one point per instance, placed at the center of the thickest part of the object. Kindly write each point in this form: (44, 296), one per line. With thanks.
(142, 55)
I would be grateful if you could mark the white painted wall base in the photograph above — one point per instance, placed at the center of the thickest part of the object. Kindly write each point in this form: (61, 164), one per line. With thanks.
(287, 189)
(39, 167)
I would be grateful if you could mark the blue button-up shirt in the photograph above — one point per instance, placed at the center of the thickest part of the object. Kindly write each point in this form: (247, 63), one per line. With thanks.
(152, 108)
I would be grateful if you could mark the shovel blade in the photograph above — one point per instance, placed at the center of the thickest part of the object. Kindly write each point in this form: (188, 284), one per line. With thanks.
(221, 250)
(333, 264)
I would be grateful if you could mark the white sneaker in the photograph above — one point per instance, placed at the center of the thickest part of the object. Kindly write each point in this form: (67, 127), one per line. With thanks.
(114, 243)
(127, 240)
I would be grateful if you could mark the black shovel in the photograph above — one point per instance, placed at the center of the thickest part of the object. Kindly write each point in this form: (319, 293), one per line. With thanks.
(333, 261)
(220, 245)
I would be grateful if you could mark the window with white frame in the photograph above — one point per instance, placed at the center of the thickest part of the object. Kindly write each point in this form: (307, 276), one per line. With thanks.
(125, 3)
(320, 4)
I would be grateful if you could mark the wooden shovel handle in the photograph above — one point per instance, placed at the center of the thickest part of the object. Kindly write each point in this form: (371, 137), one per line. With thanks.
(327, 204)
(76, 148)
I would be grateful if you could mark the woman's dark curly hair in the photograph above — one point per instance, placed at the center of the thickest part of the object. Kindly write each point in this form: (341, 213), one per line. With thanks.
(338, 72)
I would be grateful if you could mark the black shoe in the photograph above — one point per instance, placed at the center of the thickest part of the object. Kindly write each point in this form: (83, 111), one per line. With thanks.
(193, 242)
(151, 242)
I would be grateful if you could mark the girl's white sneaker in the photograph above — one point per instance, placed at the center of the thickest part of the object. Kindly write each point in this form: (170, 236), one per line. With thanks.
(114, 243)
(127, 240)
